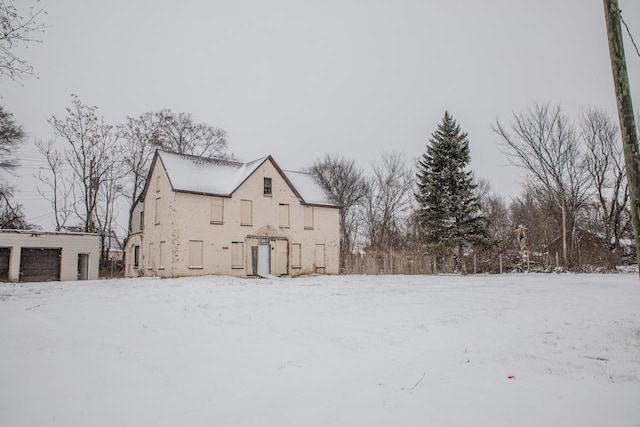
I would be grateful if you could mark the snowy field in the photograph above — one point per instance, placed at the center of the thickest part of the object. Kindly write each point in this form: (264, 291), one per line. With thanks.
(511, 350)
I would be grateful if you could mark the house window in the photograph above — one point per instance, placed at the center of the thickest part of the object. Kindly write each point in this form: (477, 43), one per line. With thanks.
(296, 255)
(267, 186)
(141, 221)
(195, 253)
(308, 217)
(152, 257)
(284, 216)
(157, 212)
(246, 216)
(237, 255)
(161, 253)
(136, 256)
(217, 210)
(320, 261)
(157, 183)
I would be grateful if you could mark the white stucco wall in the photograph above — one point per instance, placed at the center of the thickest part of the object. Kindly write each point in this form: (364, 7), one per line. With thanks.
(185, 217)
(71, 245)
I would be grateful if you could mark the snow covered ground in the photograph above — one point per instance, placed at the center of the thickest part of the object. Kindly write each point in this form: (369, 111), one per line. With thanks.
(511, 350)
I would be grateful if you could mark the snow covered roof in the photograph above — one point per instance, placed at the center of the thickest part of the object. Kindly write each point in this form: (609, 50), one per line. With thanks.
(311, 191)
(222, 177)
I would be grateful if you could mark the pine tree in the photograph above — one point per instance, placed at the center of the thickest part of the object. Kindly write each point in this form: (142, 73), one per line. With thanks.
(448, 208)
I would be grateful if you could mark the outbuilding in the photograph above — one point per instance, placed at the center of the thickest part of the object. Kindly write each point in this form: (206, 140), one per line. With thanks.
(40, 256)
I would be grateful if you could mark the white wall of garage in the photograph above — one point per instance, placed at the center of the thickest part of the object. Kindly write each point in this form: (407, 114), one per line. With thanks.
(71, 245)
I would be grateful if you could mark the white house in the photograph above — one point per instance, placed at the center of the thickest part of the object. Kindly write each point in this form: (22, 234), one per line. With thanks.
(39, 256)
(199, 216)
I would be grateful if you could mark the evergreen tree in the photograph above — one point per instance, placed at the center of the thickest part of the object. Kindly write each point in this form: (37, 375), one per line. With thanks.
(448, 208)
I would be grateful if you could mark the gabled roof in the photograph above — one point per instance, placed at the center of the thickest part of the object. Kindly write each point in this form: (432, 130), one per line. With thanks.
(221, 177)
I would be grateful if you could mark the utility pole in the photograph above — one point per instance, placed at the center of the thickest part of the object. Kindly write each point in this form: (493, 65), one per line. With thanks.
(625, 112)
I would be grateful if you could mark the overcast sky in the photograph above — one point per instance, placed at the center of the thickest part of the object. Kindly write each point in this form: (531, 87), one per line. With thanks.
(299, 79)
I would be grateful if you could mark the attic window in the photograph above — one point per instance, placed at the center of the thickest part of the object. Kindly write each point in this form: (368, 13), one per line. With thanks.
(267, 186)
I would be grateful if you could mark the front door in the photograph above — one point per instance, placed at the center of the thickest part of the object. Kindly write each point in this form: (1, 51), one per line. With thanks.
(263, 259)
(83, 266)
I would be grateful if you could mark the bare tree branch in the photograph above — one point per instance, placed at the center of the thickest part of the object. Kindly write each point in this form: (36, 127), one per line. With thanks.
(543, 142)
(18, 28)
(58, 189)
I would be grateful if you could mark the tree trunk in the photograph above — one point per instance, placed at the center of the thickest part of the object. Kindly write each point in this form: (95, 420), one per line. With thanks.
(564, 233)
(463, 269)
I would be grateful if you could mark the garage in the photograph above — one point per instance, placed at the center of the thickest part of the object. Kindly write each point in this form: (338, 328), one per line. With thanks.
(5, 254)
(40, 264)
(43, 256)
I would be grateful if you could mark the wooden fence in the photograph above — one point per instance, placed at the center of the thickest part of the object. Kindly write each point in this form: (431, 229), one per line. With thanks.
(400, 263)
(390, 264)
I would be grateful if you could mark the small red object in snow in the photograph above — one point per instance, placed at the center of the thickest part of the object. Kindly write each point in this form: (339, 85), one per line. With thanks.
(512, 377)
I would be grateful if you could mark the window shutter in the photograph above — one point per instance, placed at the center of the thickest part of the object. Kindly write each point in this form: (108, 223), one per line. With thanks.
(308, 217)
(296, 255)
(245, 212)
(217, 210)
(195, 253)
(237, 255)
(284, 215)
(320, 261)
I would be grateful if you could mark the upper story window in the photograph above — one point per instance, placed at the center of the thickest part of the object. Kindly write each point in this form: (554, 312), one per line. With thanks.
(246, 214)
(284, 216)
(217, 210)
(267, 186)
(157, 211)
(308, 217)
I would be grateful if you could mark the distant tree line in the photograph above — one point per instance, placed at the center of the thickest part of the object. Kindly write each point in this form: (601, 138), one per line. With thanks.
(572, 212)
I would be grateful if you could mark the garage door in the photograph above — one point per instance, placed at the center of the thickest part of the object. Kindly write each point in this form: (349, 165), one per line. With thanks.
(39, 264)
(4, 263)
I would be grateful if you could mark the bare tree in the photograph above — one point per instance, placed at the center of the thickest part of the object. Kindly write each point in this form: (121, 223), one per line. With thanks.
(345, 182)
(11, 214)
(141, 138)
(537, 212)
(11, 136)
(57, 185)
(543, 142)
(18, 28)
(179, 133)
(91, 156)
(604, 162)
(107, 207)
(388, 202)
(494, 209)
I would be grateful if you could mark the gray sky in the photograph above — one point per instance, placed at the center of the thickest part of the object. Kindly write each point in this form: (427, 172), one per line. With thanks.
(299, 79)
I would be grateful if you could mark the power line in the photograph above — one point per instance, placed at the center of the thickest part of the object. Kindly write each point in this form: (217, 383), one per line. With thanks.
(629, 32)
